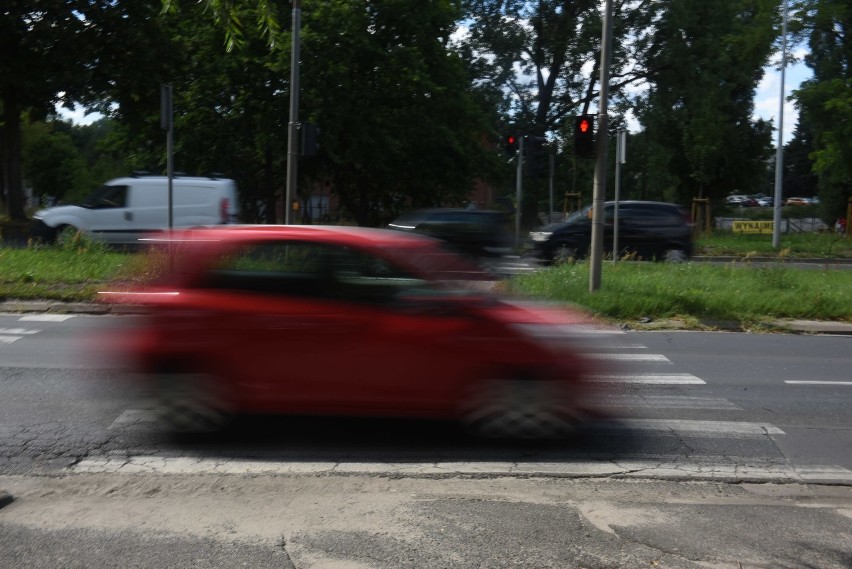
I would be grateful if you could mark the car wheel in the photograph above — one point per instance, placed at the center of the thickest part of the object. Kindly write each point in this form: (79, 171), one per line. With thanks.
(517, 409)
(65, 235)
(191, 403)
(675, 256)
(563, 253)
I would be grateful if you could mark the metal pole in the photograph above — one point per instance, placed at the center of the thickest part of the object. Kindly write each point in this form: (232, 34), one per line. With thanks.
(779, 151)
(519, 180)
(599, 194)
(552, 160)
(620, 142)
(293, 125)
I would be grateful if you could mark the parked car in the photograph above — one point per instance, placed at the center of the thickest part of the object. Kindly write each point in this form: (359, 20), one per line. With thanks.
(324, 320)
(797, 201)
(123, 210)
(766, 202)
(475, 232)
(647, 230)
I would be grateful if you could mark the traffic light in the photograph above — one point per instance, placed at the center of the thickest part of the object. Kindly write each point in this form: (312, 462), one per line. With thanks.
(510, 144)
(584, 136)
(310, 138)
(536, 156)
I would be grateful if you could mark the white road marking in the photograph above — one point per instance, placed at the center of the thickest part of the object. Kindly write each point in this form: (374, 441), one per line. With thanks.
(632, 357)
(133, 417)
(716, 428)
(818, 382)
(667, 402)
(46, 317)
(9, 339)
(648, 378)
(18, 331)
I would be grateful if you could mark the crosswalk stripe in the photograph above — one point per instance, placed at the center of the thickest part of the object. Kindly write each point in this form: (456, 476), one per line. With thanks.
(18, 331)
(648, 378)
(9, 339)
(631, 357)
(667, 402)
(45, 317)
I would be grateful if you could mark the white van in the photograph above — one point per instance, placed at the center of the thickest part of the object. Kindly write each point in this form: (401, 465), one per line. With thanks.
(125, 209)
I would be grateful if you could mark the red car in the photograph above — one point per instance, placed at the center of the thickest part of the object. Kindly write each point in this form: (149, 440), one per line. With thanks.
(349, 321)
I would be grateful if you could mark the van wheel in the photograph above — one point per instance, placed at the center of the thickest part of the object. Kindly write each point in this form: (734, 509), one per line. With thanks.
(517, 409)
(191, 403)
(675, 256)
(563, 253)
(65, 235)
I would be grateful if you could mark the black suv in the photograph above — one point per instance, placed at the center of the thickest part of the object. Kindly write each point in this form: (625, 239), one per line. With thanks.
(646, 230)
(475, 232)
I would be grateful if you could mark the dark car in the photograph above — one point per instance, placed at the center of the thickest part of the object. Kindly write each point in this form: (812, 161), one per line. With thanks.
(475, 232)
(323, 320)
(647, 230)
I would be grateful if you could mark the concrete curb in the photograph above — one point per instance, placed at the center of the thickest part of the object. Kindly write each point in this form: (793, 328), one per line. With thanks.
(796, 326)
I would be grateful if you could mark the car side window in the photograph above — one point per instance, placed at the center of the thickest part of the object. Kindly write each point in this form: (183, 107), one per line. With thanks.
(310, 269)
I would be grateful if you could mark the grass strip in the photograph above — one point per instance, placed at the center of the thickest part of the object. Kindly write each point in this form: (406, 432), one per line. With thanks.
(733, 292)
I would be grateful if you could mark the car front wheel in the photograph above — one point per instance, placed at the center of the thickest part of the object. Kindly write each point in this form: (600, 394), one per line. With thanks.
(518, 409)
(191, 403)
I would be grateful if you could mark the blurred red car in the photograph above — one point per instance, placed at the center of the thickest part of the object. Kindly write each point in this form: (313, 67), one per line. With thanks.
(349, 321)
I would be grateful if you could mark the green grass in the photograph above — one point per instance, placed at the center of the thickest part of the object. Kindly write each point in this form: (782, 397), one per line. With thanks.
(71, 273)
(793, 245)
(736, 292)
(739, 291)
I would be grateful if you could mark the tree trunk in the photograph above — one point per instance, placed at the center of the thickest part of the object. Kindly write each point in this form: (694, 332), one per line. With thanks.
(12, 182)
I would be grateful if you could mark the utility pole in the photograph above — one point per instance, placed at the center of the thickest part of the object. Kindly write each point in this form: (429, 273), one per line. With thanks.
(779, 151)
(599, 194)
(293, 125)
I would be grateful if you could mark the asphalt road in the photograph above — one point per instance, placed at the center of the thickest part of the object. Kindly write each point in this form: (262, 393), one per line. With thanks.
(721, 449)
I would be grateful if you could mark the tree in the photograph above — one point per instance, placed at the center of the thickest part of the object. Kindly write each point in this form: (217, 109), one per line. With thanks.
(400, 125)
(825, 101)
(707, 59)
(60, 51)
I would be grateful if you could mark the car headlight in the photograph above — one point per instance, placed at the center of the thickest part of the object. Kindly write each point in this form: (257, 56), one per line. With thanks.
(39, 214)
(540, 235)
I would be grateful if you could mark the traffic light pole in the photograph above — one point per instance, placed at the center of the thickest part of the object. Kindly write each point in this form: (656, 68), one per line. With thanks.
(293, 125)
(519, 181)
(599, 194)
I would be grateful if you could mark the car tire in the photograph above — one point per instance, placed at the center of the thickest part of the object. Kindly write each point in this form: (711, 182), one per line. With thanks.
(64, 235)
(564, 253)
(675, 256)
(517, 409)
(192, 403)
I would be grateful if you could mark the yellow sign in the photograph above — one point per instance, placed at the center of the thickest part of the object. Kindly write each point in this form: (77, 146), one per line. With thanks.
(753, 226)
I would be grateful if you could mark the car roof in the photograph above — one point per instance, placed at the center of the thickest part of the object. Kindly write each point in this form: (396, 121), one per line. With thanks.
(365, 236)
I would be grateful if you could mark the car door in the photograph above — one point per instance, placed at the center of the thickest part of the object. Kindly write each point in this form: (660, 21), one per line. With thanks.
(106, 214)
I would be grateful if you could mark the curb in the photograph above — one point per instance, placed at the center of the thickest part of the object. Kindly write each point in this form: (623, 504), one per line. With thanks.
(795, 326)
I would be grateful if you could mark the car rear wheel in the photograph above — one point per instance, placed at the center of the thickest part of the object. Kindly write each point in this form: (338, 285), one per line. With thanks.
(518, 409)
(192, 403)
(564, 252)
(675, 256)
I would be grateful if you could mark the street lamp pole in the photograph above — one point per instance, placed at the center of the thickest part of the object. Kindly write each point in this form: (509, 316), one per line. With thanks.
(293, 125)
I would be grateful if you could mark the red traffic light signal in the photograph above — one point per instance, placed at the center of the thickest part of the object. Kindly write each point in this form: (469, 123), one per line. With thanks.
(511, 144)
(584, 136)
